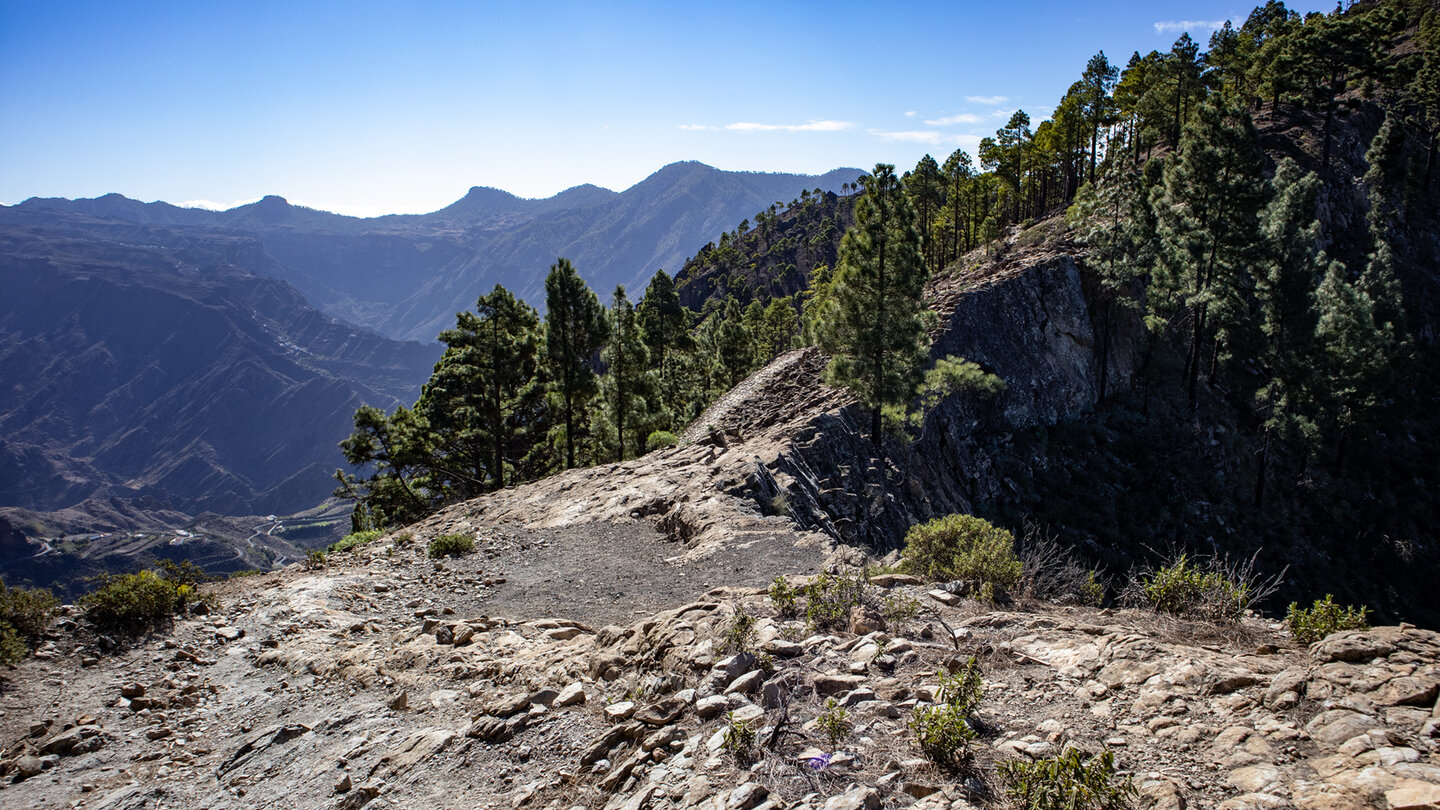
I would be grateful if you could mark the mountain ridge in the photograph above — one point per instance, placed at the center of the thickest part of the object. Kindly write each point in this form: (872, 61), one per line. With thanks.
(406, 275)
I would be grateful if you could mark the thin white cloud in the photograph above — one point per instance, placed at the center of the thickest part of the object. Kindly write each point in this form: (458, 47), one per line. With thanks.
(991, 100)
(915, 136)
(811, 126)
(1176, 26)
(695, 127)
(962, 118)
(911, 113)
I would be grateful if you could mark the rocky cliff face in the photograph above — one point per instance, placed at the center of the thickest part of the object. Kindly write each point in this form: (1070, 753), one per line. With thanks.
(796, 451)
(1031, 321)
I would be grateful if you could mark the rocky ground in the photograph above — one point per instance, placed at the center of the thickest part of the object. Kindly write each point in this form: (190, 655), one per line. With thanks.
(501, 679)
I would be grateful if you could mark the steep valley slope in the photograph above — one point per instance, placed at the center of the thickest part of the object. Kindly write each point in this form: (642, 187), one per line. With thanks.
(141, 361)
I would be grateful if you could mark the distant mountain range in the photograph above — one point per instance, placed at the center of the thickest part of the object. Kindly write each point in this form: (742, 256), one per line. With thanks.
(211, 361)
(406, 276)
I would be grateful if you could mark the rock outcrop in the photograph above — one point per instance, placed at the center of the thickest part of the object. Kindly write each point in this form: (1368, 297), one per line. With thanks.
(384, 680)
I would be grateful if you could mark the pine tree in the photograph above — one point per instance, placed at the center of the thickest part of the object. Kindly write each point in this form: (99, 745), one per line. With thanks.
(575, 328)
(1284, 290)
(483, 402)
(1117, 223)
(877, 338)
(395, 450)
(926, 188)
(627, 388)
(733, 345)
(1208, 224)
(777, 329)
(1098, 80)
(664, 321)
(1357, 350)
(1183, 65)
(958, 174)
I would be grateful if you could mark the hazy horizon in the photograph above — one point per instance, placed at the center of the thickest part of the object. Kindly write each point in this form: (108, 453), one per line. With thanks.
(368, 109)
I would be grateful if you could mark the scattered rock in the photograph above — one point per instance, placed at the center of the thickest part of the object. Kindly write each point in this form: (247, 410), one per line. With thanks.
(860, 797)
(28, 766)
(572, 695)
(662, 713)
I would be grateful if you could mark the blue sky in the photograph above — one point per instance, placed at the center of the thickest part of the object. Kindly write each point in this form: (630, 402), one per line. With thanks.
(369, 108)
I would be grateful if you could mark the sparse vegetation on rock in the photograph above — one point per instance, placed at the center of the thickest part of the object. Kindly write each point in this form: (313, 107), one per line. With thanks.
(135, 603)
(963, 548)
(450, 545)
(1070, 781)
(1210, 590)
(1323, 618)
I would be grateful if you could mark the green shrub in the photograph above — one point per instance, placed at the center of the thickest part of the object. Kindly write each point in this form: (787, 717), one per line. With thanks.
(1092, 591)
(659, 439)
(314, 559)
(783, 597)
(1185, 588)
(354, 539)
(962, 688)
(12, 648)
(1067, 782)
(26, 610)
(943, 730)
(740, 632)
(184, 572)
(942, 733)
(898, 609)
(134, 603)
(828, 599)
(1323, 618)
(24, 615)
(834, 722)
(962, 547)
(739, 739)
(451, 545)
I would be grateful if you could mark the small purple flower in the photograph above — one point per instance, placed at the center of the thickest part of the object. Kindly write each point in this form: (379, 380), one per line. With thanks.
(821, 762)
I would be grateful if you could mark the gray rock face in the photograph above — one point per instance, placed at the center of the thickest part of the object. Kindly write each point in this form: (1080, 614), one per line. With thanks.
(1034, 327)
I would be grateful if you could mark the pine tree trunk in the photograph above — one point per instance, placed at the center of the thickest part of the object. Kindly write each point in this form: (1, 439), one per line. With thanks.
(1260, 476)
(1192, 364)
(1105, 350)
(875, 429)
(569, 431)
(1329, 116)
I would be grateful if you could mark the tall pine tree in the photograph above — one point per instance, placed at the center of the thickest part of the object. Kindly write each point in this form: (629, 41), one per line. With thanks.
(627, 388)
(877, 337)
(1284, 290)
(483, 399)
(1209, 227)
(575, 328)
